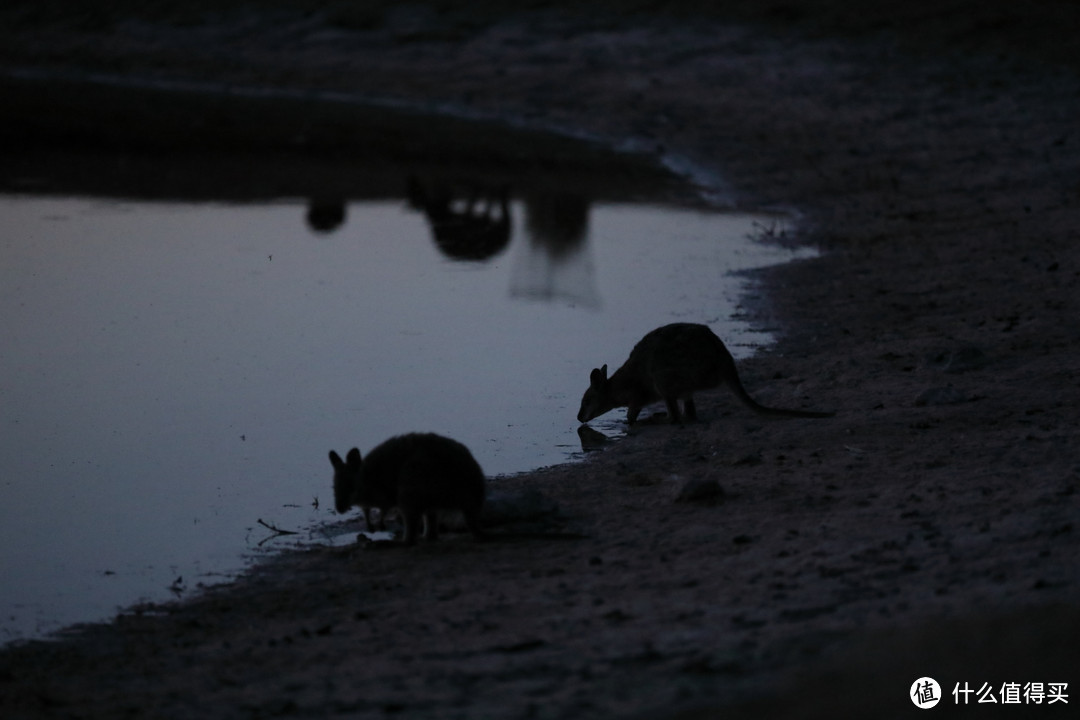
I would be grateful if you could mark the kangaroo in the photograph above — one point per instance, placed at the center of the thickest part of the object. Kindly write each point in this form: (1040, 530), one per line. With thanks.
(418, 473)
(671, 363)
(346, 489)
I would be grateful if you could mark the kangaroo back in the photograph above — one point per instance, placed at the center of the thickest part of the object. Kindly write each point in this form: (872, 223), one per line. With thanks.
(428, 469)
(680, 358)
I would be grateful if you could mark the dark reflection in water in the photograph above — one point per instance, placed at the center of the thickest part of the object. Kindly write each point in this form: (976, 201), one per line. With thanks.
(325, 215)
(558, 222)
(471, 220)
(556, 265)
(592, 439)
(470, 225)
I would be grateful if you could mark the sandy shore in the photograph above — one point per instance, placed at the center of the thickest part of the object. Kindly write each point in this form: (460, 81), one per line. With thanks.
(929, 529)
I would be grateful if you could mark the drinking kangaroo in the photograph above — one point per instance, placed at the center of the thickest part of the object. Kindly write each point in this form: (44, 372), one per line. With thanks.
(671, 363)
(419, 474)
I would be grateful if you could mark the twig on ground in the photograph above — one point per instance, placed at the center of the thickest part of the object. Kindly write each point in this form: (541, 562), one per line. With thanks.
(275, 529)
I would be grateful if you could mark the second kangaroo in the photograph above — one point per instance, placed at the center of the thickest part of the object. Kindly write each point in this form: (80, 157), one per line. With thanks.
(670, 364)
(419, 474)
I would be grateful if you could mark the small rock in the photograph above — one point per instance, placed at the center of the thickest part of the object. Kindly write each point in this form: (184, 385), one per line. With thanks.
(750, 460)
(700, 490)
(947, 395)
(504, 506)
(958, 360)
(966, 358)
(642, 480)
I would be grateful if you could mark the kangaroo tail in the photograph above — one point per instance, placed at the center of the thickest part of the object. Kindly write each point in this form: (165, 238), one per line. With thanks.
(740, 392)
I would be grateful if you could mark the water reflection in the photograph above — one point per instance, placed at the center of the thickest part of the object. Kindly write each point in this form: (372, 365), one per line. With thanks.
(558, 222)
(592, 439)
(556, 265)
(473, 224)
(471, 220)
(185, 367)
(325, 215)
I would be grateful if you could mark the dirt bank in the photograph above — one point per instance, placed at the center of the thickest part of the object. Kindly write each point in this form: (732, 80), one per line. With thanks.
(929, 529)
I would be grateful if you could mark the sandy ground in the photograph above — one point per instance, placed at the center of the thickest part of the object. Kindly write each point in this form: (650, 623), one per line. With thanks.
(930, 528)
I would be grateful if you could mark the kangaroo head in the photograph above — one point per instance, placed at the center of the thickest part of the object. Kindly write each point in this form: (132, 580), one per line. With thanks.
(597, 400)
(346, 478)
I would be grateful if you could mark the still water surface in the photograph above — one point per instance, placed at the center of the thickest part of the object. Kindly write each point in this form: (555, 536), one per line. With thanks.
(172, 373)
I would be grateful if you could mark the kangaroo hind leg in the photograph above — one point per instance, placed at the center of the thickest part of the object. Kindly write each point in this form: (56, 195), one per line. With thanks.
(690, 408)
(672, 403)
(431, 525)
(472, 521)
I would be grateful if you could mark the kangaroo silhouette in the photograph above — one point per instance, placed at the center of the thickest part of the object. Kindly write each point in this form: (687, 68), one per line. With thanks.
(419, 474)
(670, 364)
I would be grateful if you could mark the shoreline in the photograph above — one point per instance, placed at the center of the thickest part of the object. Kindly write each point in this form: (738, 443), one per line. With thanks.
(941, 320)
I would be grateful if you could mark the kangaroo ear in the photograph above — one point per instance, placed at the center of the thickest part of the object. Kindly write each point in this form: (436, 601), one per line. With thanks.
(598, 375)
(353, 457)
(335, 460)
